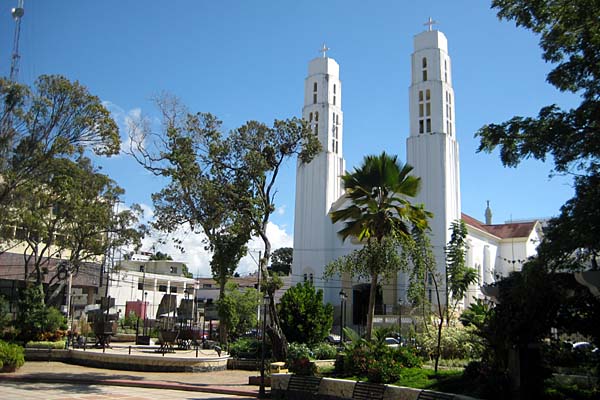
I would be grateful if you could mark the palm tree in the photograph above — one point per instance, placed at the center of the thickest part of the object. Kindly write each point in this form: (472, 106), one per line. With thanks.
(379, 209)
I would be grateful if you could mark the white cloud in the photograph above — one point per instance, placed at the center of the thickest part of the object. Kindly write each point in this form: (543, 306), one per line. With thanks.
(278, 237)
(281, 210)
(198, 259)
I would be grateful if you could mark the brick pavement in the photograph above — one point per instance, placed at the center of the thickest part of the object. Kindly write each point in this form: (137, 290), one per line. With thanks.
(230, 382)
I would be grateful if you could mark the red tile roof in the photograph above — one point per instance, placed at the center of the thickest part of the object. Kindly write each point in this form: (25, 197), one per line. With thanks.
(503, 231)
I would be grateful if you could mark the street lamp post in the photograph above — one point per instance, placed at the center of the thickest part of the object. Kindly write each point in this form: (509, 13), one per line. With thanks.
(145, 311)
(261, 390)
(187, 298)
(343, 297)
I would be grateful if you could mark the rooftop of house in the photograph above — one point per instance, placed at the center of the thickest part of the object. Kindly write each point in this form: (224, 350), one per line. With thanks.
(511, 230)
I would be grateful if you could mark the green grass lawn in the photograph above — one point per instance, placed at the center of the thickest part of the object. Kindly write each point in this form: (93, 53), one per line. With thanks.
(449, 380)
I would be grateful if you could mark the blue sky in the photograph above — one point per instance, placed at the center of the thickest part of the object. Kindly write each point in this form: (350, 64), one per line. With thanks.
(243, 60)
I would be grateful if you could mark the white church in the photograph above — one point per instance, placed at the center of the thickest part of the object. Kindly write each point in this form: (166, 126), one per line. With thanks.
(432, 149)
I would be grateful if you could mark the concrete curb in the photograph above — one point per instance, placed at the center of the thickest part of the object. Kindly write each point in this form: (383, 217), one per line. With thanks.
(136, 383)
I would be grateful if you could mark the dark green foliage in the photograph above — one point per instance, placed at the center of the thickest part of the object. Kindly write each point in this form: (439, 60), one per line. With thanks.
(297, 351)
(324, 351)
(237, 309)
(570, 39)
(12, 356)
(302, 366)
(373, 359)
(5, 318)
(281, 261)
(130, 321)
(35, 318)
(56, 118)
(248, 348)
(304, 317)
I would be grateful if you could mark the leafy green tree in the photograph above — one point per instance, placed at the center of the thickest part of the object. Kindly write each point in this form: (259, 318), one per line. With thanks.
(200, 193)
(35, 318)
(159, 256)
(281, 261)
(379, 209)
(238, 309)
(569, 35)
(459, 276)
(68, 212)
(56, 118)
(255, 153)
(304, 317)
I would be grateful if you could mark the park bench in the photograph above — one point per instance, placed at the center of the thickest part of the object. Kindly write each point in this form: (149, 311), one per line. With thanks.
(368, 391)
(429, 395)
(302, 387)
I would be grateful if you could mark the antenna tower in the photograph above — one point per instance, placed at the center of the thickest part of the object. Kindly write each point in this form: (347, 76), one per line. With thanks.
(17, 14)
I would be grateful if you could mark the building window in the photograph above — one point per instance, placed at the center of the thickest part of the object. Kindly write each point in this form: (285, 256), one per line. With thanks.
(424, 111)
(206, 285)
(140, 286)
(173, 289)
(173, 270)
(334, 131)
(446, 71)
(162, 288)
(315, 87)
(334, 94)
(141, 268)
(315, 93)
(310, 117)
(316, 123)
(424, 66)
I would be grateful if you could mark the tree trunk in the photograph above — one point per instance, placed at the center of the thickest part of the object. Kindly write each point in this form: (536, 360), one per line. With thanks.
(438, 349)
(371, 310)
(223, 331)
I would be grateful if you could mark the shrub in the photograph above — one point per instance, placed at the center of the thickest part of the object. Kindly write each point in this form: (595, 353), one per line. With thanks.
(303, 366)
(377, 362)
(59, 344)
(305, 318)
(324, 351)
(383, 370)
(249, 348)
(458, 342)
(297, 351)
(11, 356)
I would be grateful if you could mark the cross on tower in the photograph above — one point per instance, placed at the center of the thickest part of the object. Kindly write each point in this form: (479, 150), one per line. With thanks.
(430, 23)
(324, 50)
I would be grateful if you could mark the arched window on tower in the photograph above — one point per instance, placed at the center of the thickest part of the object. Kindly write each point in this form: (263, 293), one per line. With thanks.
(315, 93)
(424, 67)
(310, 117)
(316, 122)
(334, 133)
(446, 71)
(334, 93)
(425, 111)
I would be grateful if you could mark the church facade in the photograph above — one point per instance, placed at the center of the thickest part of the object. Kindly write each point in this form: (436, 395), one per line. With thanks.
(432, 149)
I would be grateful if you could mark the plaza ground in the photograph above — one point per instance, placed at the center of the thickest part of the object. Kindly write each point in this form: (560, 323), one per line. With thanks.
(228, 383)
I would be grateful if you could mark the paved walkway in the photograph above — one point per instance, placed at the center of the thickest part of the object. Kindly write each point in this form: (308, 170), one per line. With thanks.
(64, 391)
(230, 382)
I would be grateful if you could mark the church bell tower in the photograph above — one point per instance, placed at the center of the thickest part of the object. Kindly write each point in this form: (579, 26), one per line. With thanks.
(432, 148)
(318, 183)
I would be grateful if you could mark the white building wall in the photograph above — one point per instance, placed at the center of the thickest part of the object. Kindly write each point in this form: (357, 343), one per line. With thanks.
(318, 183)
(431, 147)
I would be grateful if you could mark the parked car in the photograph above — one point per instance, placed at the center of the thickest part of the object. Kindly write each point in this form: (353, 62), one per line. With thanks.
(392, 342)
(332, 338)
